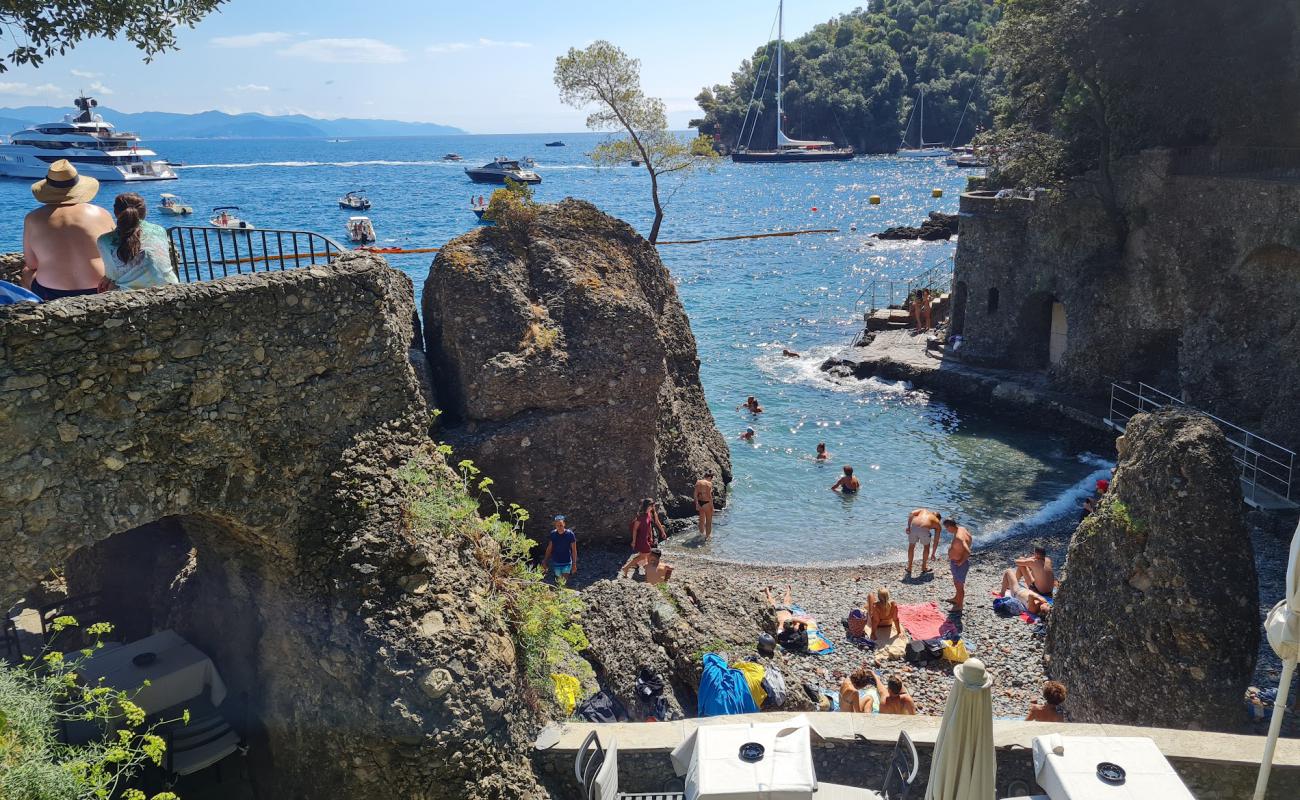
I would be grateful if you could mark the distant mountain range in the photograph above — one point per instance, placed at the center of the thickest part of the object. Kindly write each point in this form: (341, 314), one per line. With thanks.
(220, 125)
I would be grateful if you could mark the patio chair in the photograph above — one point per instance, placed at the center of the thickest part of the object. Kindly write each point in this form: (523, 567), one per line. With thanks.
(87, 608)
(13, 646)
(899, 774)
(206, 740)
(597, 771)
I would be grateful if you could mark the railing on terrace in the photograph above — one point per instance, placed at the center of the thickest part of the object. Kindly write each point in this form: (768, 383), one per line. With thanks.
(1268, 163)
(1266, 467)
(204, 254)
(885, 292)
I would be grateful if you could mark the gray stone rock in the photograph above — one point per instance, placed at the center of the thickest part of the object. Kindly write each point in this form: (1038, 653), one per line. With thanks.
(567, 370)
(1157, 622)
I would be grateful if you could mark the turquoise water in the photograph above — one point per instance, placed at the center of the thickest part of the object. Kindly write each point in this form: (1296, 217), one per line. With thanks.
(746, 300)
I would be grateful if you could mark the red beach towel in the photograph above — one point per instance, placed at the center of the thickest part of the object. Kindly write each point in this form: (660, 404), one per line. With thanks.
(922, 620)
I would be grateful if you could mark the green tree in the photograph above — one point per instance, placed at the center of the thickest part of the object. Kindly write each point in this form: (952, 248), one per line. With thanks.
(604, 76)
(39, 29)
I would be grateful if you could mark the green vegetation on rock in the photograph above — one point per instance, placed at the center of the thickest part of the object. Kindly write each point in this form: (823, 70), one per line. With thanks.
(855, 78)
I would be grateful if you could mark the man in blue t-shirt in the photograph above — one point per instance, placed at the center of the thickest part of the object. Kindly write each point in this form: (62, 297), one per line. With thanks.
(561, 550)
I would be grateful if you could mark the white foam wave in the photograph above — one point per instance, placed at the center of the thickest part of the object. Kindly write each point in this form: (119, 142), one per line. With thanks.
(1068, 502)
(374, 163)
(807, 370)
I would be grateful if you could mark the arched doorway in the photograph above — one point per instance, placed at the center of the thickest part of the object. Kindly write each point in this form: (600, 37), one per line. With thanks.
(1059, 334)
(960, 293)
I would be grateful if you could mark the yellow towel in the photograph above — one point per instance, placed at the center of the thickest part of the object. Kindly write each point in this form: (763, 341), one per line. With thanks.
(754, 674)
(566, 692)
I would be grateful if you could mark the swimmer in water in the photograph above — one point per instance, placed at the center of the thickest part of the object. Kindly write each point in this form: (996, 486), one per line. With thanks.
(751, 405)
(748, 435)
(789, 354)
(822, 453)
(847, 484)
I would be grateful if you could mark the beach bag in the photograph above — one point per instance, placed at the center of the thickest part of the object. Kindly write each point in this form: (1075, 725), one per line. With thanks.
(774, 685)
(924, 651)
(566, 692)
(1009, 606)
(796, 641)
(651, 703)
(955, 652)
(602, 707)
(857, 623)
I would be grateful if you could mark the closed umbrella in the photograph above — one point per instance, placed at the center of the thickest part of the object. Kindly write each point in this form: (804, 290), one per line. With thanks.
(963, 766)
(1282, 627)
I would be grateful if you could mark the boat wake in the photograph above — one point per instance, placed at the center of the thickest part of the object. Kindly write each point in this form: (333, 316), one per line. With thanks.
(374, 163)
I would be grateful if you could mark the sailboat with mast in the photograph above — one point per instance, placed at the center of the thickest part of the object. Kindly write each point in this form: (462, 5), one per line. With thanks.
(787, 149)
(923, 148)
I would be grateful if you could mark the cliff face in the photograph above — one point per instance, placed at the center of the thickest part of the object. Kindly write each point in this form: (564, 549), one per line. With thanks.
(1202, 298)
(1157, 622)
(567, 370)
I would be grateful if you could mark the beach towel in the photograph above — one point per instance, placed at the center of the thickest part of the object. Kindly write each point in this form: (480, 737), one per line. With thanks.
(723, 690)
(891, 647)
(566, 692)
(923, 620)
(818, 644)
(754, 675)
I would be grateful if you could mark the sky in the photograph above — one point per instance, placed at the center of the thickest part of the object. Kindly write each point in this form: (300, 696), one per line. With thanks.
(482, 66)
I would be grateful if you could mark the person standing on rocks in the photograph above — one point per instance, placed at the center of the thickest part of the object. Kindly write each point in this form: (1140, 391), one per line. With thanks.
(704, 503)
(60, 256)
(1036, 572)
(922, 525)
(643, 528)
(958, 561)
(561, 551)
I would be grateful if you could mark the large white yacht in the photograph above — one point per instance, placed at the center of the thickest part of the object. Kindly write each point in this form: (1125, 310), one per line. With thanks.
(89, 143)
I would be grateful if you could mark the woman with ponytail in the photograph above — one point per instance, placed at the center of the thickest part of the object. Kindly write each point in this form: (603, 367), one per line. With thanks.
(136, 253)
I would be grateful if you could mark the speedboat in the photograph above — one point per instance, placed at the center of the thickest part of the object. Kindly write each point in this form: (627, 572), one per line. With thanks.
(360, 230)
(222, 218)
(556, 143)
(479, 206)
(171, 204)
(966, 157)
(497, 171)
(452, 157)
(90, 143)
(355, 201)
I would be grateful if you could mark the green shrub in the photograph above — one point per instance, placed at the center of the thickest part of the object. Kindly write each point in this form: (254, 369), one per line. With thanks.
(37, 696)
(512, 208)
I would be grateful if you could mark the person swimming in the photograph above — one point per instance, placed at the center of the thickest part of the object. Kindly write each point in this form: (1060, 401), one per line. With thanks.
(748, 435)
(822, 453)
(847, 484)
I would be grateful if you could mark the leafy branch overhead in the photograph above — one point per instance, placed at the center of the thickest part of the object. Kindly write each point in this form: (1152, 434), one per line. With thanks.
(603, 76)
(40, 29)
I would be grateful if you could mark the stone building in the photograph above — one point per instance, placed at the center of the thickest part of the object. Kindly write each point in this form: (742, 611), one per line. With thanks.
(1197, 294)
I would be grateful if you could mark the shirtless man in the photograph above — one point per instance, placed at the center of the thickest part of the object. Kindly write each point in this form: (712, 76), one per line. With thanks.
(751, 405)
(1050, 709)
(1036, 572)
(61, 259)
(1034, 602)
(822, 454)
(920, 524)
(897, 700)
(704, 504)
(958, 561)
(656, 571)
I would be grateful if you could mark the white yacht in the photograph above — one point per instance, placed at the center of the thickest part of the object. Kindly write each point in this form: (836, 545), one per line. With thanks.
(89, 143)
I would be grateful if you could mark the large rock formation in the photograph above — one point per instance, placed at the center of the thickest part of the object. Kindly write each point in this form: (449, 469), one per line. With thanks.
(273, 424)
(566, 369)
(1158, 621)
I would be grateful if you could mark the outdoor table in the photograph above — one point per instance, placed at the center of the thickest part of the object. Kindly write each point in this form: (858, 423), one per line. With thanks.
(180, 672)
(710, 760)
(1071, 774)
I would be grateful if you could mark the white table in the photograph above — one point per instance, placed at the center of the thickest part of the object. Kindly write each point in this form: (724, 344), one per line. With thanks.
(180, 672)
(1071, 774)
(710, 760)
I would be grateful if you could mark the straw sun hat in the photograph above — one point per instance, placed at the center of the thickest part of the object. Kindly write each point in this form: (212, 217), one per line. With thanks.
(972, 673)
(62, 184)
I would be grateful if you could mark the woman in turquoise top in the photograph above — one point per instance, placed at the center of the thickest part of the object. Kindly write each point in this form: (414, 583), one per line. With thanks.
(136, 253)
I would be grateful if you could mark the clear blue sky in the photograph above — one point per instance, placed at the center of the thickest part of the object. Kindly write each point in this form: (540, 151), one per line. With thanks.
(482, 66)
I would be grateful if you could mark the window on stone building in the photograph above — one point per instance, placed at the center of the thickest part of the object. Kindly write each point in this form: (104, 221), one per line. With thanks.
(993, 300)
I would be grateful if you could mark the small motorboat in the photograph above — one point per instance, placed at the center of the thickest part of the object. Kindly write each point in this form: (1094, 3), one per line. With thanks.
(636, 162)
(360, 230)
(452, 157)
(171, 204)
(556, 143)
(479, 206)
(497, 171)
(222, 218)
(355, 201)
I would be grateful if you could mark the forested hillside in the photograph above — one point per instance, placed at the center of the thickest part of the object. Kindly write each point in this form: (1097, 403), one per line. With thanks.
(855, 78)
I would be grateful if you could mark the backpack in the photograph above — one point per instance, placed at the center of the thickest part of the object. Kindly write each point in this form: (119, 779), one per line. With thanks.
(774, 685)
(794, 639)
(924, 651)
(602, 707)
(651, 704)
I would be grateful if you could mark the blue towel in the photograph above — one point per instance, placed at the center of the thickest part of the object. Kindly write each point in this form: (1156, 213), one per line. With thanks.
(723, 690)
(12, 293)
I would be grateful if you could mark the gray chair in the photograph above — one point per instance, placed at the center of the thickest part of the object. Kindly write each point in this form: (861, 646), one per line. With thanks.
(204, 741)
(597, 771)
(13, 646)
(900, 772)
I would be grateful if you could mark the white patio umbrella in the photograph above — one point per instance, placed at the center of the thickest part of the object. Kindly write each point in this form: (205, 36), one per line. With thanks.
(1282, 626)
(964, 766)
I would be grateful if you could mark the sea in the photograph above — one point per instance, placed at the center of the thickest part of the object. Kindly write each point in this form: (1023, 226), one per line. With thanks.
(747, 300)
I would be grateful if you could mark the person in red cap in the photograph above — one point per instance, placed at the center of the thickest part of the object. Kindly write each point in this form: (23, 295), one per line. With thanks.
(1102, 485)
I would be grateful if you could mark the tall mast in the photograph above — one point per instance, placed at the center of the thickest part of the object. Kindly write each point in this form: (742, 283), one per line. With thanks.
(920, 134)
(780, 70)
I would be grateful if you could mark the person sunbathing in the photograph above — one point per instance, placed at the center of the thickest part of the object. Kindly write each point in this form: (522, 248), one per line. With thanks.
(792, 633)
(1050, 709)
(897, 700)
(882, 615)
(856, 691)
(1033, 602)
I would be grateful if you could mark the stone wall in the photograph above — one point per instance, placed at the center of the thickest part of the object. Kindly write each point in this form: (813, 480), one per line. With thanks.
(267, 417)
(1201, 298)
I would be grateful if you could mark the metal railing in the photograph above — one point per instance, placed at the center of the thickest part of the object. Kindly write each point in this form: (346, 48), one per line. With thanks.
(885, 292)
(1265, 466)
(204, 254)
(1269, 163)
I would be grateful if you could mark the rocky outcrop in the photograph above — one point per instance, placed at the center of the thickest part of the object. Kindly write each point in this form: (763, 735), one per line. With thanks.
(272, 426)
(670, 626)
(1158, 621)
(567, 370)
(938, 226)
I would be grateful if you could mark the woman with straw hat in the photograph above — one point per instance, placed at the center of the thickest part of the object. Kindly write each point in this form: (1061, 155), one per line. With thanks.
(59, 251)
(964, 766)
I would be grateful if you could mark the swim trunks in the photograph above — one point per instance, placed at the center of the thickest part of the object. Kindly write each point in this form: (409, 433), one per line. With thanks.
(917, 534)
(47, 294)
(1034, 586)
(959, 570)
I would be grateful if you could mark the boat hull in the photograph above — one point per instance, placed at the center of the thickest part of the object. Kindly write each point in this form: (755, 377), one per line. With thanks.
(24, 165)
(930, 152)
(497, 177)
(791, 156)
